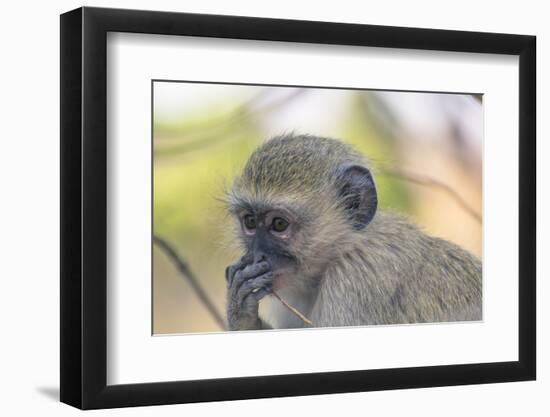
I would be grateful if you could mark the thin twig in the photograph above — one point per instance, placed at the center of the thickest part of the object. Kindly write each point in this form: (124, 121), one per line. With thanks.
(431, 182)
(193, 281)
(292, 309)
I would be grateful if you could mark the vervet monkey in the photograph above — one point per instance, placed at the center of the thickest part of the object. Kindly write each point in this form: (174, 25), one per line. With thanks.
(308, 224)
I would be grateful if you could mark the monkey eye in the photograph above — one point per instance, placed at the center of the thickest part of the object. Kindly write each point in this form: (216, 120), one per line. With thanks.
(249, 222)
(279, 224)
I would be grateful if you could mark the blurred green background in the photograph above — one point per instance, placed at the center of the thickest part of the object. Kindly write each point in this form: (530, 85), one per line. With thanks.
(425, 150)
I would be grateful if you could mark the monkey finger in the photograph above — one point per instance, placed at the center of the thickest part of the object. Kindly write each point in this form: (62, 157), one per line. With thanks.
(255, 270)
(247, 259)
(260, 293)
(230, 273)
(231, 270)
(241, 276)
(249, 272)
(254, 284)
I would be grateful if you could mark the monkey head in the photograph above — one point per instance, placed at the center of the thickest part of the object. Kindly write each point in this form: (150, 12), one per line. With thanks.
(298, 197)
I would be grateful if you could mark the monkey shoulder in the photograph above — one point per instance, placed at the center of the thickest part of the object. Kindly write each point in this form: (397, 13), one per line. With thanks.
(418, 255)
(398, 239)
(396, 273)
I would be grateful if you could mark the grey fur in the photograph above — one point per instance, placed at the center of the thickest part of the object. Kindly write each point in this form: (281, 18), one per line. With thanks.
(397, 274)
(387, 272)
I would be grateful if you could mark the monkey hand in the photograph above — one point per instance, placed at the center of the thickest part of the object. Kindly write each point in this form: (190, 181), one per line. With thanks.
(247, 284)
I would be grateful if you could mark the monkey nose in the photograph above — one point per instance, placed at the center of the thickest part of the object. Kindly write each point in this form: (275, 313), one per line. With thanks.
(259, 257)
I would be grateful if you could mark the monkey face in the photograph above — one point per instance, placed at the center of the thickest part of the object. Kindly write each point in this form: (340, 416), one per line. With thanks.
(299, 201)
(268, 236)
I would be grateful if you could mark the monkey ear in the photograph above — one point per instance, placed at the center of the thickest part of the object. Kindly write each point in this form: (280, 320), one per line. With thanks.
(358, 193)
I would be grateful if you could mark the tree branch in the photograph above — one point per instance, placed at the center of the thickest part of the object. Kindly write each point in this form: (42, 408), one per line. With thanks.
(191, 279)
(431, 182)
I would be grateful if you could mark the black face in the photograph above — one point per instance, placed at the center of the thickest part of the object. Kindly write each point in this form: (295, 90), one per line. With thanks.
(268, 235)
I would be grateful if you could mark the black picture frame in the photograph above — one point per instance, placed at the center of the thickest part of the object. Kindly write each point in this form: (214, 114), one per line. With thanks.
(84, 207)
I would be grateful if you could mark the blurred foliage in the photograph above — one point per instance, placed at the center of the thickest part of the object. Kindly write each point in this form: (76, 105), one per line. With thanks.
(362, 132)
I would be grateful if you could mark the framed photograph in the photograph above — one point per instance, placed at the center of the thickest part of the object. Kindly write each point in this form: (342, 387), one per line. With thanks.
(256, 208)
